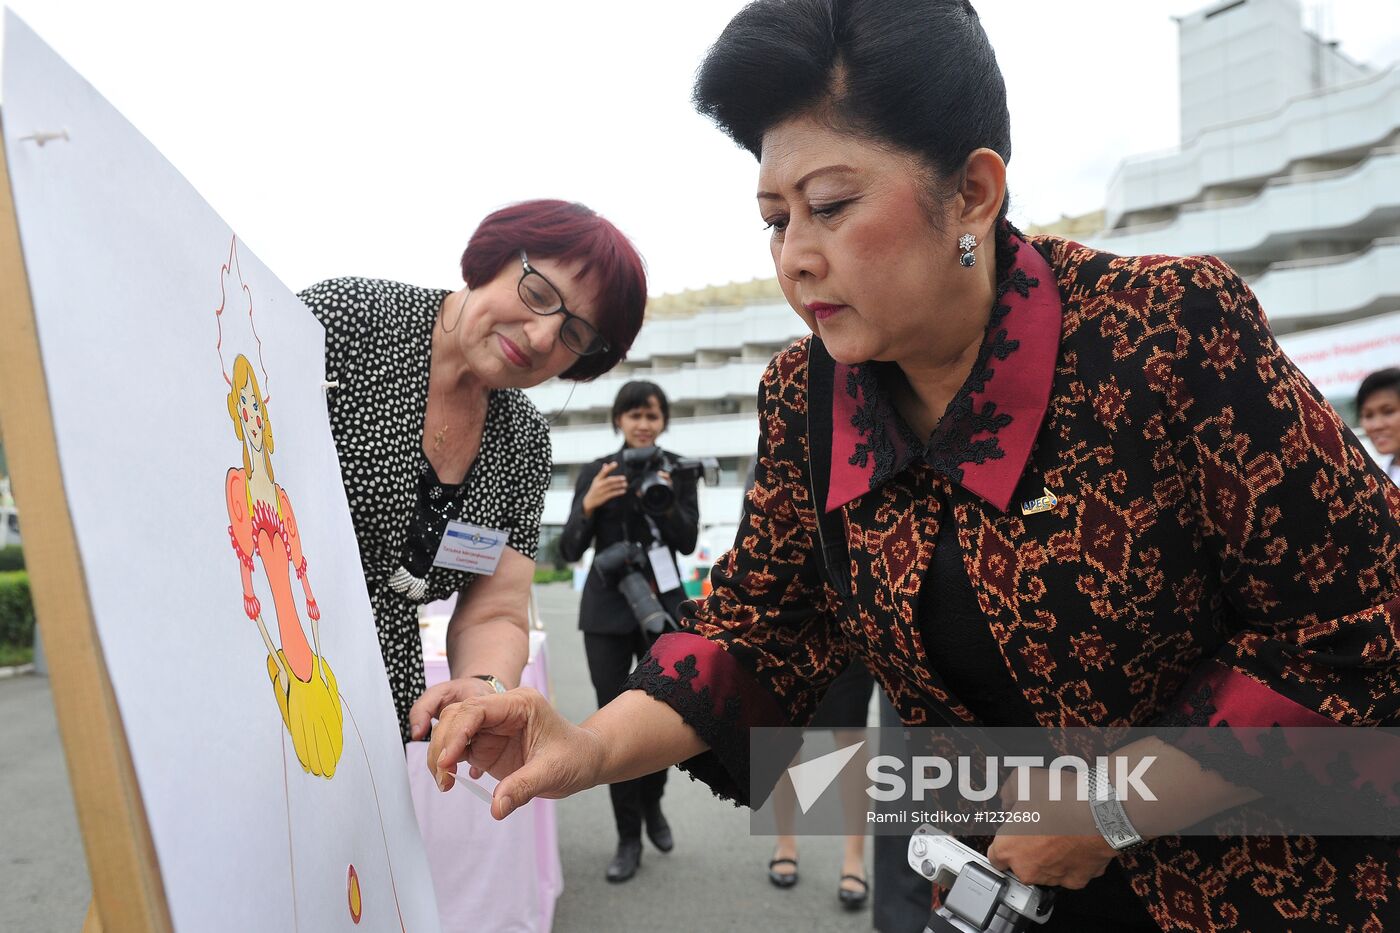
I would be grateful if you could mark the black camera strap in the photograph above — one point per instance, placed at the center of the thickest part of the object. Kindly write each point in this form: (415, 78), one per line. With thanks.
(831, 526)
(655, 532)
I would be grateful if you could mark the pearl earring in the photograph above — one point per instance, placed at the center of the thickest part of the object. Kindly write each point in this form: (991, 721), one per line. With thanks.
(967, 243)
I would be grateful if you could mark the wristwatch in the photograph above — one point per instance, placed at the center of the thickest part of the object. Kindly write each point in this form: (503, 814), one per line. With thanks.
(496, 685)
(1109, 815)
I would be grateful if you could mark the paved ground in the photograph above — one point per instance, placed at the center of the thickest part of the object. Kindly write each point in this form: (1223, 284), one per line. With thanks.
(43, 877)
(715, 879)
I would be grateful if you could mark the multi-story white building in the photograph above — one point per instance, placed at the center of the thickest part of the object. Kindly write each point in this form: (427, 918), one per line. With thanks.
(1289, 170)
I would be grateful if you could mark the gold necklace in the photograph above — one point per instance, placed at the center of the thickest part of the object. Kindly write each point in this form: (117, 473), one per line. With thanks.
(440, 436)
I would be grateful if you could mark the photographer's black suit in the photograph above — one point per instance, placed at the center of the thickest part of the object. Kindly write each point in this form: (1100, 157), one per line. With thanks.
(612, 638)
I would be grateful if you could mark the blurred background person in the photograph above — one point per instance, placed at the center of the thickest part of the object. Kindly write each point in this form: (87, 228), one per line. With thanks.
(844, 710)
(621, 509)
(1378, 409)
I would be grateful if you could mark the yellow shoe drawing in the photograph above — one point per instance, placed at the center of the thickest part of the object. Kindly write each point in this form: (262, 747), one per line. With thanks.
(312, 714)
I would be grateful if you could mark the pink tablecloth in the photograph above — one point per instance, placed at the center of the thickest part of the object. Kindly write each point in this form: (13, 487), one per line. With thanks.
(490, 877)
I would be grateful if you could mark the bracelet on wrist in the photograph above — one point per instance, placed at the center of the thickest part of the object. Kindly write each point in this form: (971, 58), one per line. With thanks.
(496, 685)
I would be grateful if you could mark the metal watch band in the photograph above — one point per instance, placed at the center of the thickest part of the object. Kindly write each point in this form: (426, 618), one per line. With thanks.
(1109, 815)
(496, 685)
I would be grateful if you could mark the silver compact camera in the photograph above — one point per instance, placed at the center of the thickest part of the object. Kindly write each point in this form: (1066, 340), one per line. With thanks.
(980, 899)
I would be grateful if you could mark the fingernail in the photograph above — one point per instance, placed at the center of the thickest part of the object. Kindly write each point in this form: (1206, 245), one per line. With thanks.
(506, 806)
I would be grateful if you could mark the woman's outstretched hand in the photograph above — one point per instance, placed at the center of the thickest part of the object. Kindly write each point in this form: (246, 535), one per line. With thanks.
(438, 697)
(521, 740)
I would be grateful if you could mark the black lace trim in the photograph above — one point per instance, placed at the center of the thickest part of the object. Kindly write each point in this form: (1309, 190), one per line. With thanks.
(870, 419)
(1288, 788)
(725, 768)
(951, 445)
(1202, 709)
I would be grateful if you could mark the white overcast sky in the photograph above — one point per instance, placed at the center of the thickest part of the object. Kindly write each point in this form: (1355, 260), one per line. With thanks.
(368, 139)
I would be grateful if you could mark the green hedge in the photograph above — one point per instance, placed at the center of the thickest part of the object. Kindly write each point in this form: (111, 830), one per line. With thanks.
(16, 610)
(11, 558)
(549, 575)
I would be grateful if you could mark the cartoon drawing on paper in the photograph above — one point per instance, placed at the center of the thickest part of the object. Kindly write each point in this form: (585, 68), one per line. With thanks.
(263, 528)
(264, 533)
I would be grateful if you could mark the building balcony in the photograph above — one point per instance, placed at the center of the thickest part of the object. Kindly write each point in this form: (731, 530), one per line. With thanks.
(1308, 293)
(1359, 202)
(717, 436)
(735, 380)
(724, 329)
(1344, 118)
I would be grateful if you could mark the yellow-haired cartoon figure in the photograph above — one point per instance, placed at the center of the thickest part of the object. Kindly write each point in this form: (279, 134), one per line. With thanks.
(263, 528)
(339, 864)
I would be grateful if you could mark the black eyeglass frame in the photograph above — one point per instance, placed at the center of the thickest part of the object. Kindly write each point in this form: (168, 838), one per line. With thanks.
(529, 270)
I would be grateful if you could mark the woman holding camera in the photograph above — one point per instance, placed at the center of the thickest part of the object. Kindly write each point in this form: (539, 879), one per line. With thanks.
(630, 536)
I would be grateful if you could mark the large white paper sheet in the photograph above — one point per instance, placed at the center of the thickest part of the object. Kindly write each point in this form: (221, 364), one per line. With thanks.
(262, 729)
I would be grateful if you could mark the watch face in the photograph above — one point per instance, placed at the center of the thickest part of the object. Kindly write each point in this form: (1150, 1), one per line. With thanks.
(1112, 822)
(1121, 841)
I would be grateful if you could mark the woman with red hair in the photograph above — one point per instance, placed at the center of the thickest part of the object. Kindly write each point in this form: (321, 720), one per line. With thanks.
(439, 447)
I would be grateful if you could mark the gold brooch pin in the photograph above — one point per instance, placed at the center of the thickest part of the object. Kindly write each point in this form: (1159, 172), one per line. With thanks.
(1043, 504)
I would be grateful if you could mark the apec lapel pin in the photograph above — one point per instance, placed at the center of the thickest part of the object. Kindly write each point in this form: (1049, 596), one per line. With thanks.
(1043, 504)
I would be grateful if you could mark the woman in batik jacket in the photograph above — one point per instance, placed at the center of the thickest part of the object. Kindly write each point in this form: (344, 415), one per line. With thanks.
(1072, 489)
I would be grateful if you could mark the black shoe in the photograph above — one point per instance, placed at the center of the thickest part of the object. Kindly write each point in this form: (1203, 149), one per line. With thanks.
(783, 879)
(659, 831)
(624, 864)
(853, 900)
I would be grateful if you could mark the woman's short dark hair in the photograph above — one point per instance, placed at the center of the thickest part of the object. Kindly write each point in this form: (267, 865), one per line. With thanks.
(1378, 381)
(636, 394)
(568, 231)
(919, 75)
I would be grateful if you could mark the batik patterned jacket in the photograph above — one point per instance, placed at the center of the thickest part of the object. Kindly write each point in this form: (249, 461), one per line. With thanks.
(1221, 548)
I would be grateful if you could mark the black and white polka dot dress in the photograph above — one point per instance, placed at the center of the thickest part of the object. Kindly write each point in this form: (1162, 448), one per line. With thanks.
(378, 347)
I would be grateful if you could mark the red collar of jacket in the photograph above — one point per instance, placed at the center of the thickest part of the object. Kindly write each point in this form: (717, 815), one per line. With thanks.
(985, 437)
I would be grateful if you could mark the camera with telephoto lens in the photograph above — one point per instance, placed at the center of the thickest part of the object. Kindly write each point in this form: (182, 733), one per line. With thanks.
(621, 565)
(643, 467)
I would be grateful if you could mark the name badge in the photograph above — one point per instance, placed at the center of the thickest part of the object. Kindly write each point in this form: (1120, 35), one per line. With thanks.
(663, 569)
(471, 548)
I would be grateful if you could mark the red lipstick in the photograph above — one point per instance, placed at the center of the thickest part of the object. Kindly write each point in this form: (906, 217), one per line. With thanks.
(821, 310)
